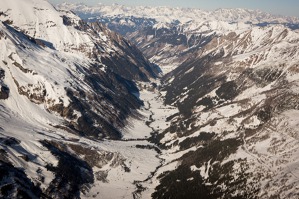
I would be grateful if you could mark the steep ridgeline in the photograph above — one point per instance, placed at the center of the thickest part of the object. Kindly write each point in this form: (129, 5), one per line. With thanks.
(62, 80)
(170, 36)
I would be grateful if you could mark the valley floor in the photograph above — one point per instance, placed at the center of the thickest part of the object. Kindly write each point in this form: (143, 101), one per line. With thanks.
(143, 158)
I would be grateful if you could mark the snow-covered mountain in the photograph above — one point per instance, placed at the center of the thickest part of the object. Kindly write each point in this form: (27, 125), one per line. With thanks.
(238, 104)
(65, 85)
(85, 115)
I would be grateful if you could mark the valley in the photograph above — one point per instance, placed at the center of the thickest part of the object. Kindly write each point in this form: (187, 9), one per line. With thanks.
(114, 101)
(143, 159)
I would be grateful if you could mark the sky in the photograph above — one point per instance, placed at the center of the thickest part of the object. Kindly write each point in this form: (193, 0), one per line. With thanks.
(281, 7)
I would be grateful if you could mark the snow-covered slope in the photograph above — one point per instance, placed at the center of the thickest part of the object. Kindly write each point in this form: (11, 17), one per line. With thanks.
(66, 85)
(238, 105)
(65, 31)
(43, 22)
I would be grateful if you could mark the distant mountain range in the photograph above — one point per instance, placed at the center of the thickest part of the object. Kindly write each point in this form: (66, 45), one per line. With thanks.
(183, 15)
(175, 33)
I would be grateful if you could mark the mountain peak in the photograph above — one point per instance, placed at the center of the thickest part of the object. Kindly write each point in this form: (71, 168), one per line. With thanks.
(40, 20)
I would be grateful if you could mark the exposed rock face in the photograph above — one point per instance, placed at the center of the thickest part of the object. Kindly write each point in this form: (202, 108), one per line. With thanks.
(129, 57)
(14, 181)
(72, 175)
(4, 92)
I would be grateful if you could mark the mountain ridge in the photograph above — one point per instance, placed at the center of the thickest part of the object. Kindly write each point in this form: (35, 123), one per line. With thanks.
(224, 14)
(169, 36)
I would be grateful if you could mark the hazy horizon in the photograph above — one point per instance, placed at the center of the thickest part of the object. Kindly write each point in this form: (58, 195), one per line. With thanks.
(278, 7)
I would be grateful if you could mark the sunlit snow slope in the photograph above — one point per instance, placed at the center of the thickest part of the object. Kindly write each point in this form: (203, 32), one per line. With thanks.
(66, 85)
